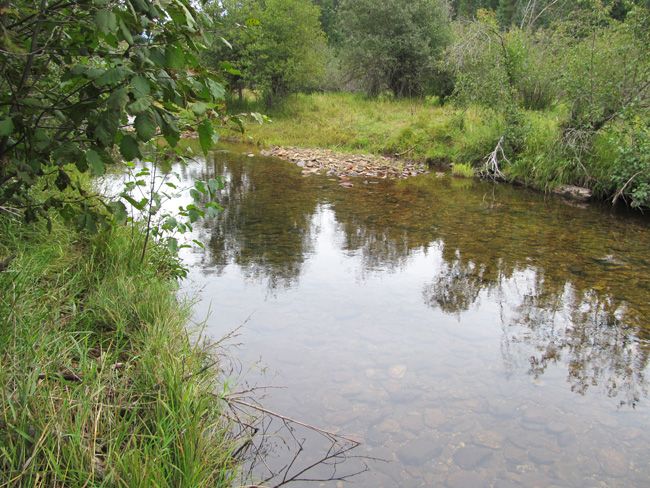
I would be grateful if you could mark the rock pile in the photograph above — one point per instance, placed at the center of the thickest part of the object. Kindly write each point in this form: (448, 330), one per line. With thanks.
(346, 166)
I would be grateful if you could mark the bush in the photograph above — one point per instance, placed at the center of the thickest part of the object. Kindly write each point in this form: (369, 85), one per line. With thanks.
(631, 169)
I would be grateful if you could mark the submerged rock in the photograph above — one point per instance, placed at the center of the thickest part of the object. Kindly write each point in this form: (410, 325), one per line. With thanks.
(571, 192)
(418, 452)
(472, 456)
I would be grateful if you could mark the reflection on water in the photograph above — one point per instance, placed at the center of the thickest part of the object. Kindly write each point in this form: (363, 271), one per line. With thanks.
(474, 335)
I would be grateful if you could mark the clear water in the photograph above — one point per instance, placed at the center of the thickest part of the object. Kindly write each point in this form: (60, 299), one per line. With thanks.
(470, 334)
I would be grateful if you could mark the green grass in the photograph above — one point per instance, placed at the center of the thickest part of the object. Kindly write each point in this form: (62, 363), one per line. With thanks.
(100, 384)
(446, 135)
(348, 122)
(463, 170)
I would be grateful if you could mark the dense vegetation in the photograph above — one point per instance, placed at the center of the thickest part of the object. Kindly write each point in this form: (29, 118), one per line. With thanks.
(100, 383)
(565, 85)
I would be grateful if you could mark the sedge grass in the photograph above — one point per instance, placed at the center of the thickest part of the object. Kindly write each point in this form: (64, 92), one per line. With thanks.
(97, 371)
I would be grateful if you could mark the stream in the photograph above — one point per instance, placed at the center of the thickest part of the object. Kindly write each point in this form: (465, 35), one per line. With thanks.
(467, 333)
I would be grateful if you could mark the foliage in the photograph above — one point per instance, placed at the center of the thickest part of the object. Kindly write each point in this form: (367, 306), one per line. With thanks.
(631, 168)
(100, 384)
(89, 83)
(605, 70)
(146, 194)
(277, 44)
(394, 45)
(502, 69)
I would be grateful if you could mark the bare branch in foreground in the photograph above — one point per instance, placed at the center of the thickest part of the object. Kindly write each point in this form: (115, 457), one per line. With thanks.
(491, 168)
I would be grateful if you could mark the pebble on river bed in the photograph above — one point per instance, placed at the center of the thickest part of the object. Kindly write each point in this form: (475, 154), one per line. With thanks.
(345, 166)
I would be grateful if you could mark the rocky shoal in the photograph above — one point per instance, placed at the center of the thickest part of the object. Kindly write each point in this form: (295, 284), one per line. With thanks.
(346, 166)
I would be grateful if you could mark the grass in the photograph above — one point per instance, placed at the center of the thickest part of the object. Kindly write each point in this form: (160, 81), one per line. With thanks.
(100, 384)
(424, 131)
(463, 170)
(412, 129)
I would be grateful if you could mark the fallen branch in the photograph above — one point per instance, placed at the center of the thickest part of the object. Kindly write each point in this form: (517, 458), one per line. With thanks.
(293, 421)
(491, 168)
(621, 191)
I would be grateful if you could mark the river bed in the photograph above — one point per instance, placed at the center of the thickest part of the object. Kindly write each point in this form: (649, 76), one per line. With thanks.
(470, 334)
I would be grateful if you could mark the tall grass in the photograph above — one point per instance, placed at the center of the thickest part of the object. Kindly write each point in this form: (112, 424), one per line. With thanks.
(411, 129)
(99, 383)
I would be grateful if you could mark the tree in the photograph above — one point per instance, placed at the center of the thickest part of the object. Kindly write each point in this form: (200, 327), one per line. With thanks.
(74, 73)
(278, 43)
(328, 16)
(395, 44)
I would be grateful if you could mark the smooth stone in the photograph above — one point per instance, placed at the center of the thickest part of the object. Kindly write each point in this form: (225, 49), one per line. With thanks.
(389, 426)
(613, 462)
(515, 455)
(489, 438)
(466, 479)
(565, 439)
(472, 456)
(535, 415)
(555, 427)
(412, 422)
(397, 372)
(501, 483)
(541, 456)
(418, 452)
(434, 417)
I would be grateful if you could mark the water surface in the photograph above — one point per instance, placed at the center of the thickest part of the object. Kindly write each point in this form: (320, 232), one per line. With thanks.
(471, 334)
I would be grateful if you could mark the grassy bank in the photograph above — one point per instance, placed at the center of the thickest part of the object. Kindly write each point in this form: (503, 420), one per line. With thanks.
(100, 385)
(425, 131)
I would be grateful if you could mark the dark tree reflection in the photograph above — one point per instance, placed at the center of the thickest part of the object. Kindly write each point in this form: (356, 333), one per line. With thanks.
(573, 285)
(266, 225)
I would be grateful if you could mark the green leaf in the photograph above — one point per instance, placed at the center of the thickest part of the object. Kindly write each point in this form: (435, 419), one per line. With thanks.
(205, 135)
(95, 162)
(118, 99)
(118, 209)
(199, 108)
(113, 76)
(170, 130)
(193, 214)
(141, 87)
(174, 57)
(129, 148)
(126, 33)
(106, 21)
(6, 127)
(145, 126)
(140, 105)
(107, 127)
(217, 90)
(172, 245)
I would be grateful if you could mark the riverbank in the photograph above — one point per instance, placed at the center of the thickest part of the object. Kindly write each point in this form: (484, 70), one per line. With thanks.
(345, 165)
(441, 136)
(101, 384)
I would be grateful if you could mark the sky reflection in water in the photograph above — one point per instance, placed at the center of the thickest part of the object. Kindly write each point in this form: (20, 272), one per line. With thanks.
(472, 334)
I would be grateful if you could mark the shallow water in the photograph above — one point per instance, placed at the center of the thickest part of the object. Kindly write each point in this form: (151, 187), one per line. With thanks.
(470, 334)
